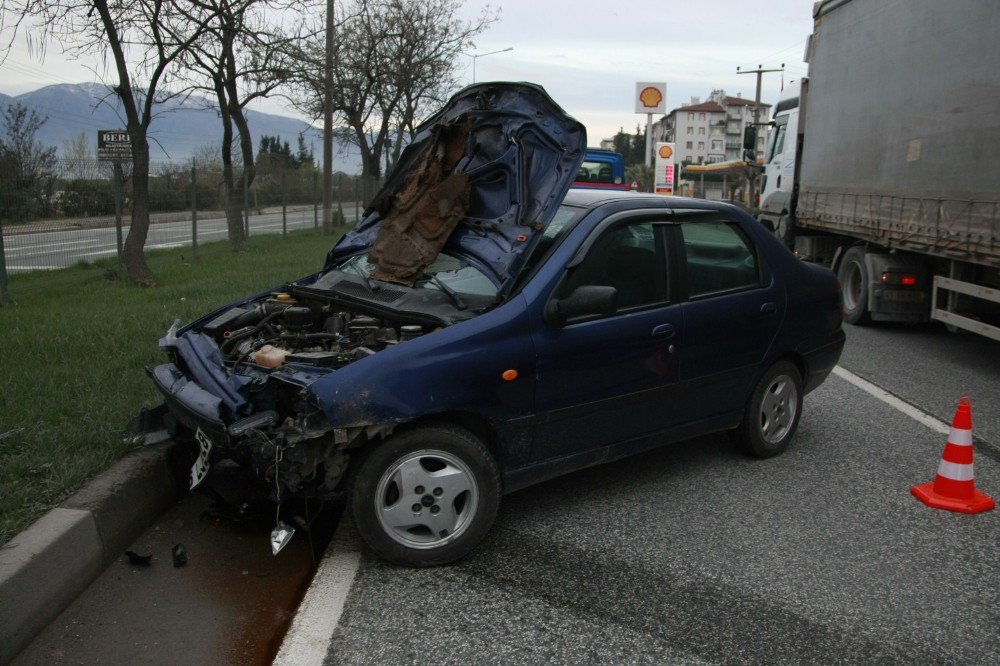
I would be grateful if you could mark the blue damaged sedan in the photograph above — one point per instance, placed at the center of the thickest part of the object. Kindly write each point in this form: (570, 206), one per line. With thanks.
(484, 328)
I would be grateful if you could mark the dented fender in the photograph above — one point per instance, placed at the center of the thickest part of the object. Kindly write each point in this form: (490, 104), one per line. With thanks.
(458, 368)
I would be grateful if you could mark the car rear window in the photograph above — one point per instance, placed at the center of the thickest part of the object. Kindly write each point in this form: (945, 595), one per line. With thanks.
(719, 258)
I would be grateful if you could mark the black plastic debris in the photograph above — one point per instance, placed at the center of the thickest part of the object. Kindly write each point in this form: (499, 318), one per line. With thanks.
(223, 509)
(137, 560)
(180, 555)
(148, 426)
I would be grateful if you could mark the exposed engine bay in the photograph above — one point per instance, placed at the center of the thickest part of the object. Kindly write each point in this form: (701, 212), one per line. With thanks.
(282, 329)
(261, 356)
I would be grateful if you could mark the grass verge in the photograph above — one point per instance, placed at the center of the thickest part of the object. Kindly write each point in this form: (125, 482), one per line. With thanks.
(73, 349)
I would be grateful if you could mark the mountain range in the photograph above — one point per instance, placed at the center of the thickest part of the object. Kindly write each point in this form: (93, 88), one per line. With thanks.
(180, 128)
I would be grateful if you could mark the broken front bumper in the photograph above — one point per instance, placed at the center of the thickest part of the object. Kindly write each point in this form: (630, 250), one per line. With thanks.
(189, 403)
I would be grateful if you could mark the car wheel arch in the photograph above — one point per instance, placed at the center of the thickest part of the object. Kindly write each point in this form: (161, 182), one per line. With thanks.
(793, 357)
(476, 424)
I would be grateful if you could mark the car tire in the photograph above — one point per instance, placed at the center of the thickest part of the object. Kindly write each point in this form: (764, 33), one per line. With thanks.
(425, 496)
(854, 280)
(772, 413)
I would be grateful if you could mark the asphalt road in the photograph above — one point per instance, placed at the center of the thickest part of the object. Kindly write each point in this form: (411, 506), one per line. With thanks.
(696, 554)
(57, 249)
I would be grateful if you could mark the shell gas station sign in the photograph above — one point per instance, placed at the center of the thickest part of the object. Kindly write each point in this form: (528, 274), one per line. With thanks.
(650, 97)
(663, 171)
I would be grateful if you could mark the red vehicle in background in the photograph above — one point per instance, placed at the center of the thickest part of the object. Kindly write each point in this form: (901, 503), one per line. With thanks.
(601, 170)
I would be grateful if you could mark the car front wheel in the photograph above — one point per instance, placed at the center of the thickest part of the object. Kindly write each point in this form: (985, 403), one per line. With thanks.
(772, 414)
(426, 496)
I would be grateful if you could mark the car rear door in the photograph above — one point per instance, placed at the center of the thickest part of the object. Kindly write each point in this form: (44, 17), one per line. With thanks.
(733, 308)
(608, 379)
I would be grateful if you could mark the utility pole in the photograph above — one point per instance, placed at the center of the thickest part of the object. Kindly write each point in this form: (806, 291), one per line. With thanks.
(328, 124)
(649, 143)
(756, 122)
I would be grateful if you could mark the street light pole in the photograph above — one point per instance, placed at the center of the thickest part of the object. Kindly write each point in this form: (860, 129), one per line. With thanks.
(476, 56)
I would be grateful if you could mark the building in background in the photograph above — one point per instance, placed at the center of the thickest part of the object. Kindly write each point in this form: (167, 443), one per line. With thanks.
(711, 131)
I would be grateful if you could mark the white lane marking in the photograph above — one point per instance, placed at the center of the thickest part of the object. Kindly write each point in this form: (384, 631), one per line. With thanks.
(33, 268)
(917, 415)
(50, 244)
(308, 638)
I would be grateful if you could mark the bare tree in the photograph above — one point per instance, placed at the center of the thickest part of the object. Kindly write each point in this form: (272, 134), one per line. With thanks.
(242, 56)
(77, 157)
(391, 57)
(27, 168)
(141, 40)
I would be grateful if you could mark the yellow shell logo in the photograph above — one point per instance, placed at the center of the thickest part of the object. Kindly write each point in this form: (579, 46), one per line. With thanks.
(665, 152)
(650, 97)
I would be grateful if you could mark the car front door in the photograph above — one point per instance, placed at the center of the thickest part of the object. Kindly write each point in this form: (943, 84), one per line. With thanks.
(732, 308)
(608, 378)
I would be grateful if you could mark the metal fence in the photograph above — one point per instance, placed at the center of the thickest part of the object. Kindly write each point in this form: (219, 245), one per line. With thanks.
(75, 211)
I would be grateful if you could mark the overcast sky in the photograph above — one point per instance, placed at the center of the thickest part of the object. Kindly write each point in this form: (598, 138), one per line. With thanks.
(587, 54)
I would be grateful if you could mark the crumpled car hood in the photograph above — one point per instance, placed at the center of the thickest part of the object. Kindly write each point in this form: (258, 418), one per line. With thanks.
(482, 179)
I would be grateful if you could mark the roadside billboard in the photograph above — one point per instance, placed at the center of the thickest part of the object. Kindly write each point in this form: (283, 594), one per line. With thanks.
(663, 171)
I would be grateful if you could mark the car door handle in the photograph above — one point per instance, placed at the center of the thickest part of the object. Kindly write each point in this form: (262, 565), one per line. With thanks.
(768, 308)
(664, 331)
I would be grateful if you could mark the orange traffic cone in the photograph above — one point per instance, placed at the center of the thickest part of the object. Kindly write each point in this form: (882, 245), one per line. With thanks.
(954, 487)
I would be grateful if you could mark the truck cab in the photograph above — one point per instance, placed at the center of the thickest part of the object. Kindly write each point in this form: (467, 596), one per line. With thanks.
(601, 170)
(778, 180)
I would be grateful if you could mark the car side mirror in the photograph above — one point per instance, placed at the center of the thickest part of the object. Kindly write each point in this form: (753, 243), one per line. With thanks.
(750, 138)
(590, 299)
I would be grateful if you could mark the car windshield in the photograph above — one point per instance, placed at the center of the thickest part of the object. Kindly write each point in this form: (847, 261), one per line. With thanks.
(564, 220)
(456, 274)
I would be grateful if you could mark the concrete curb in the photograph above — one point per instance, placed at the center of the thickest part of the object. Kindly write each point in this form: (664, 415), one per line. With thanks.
(45, 567)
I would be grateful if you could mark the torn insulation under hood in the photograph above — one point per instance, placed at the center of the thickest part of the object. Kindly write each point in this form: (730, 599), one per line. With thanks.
(425, 211)
(482, 177)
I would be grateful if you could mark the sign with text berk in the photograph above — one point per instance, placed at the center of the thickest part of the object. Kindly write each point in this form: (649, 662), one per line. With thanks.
(113, 146)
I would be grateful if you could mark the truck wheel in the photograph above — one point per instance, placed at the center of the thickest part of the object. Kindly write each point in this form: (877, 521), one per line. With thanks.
(772, 413)
(785, 231)
(853, 276)
(425, 496)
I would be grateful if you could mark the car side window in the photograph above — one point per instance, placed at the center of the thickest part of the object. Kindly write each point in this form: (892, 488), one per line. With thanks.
(719, 258)
(629, 257)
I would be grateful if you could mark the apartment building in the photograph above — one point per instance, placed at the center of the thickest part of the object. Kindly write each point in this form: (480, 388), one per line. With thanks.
(711, 131)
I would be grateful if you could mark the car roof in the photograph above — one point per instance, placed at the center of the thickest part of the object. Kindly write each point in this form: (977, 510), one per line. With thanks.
(587, 198)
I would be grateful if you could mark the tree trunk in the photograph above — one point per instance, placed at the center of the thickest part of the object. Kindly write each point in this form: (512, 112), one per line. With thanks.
(135, 261)
(234, 210)
(234, 192)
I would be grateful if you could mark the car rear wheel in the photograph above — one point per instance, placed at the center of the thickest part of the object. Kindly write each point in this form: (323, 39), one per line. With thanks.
(426, 496)
(853, 276)
(772, 414)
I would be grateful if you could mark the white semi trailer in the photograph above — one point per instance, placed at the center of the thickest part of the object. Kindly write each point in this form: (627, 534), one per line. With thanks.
(885, 161)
